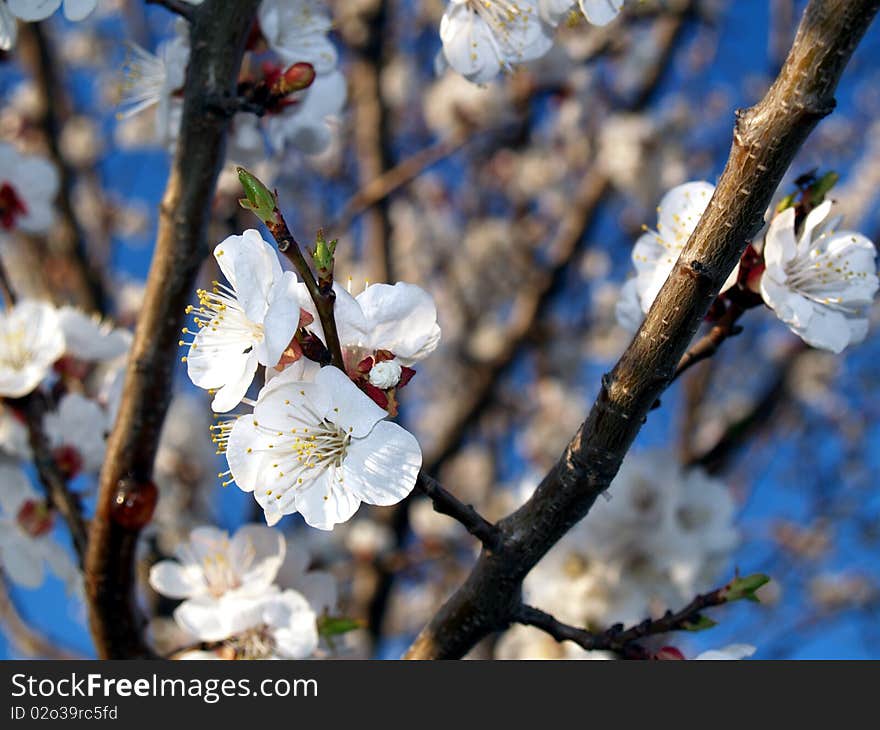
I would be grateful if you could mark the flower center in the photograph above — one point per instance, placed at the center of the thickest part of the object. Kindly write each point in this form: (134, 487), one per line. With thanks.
(11, 206)
(221, 576)
(255, 643)
(15, 352)
(820, 278)
(220, 314)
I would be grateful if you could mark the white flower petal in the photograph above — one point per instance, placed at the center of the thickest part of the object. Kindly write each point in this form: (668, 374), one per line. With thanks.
(353, 410)
(174, 580)
(382, 469)
(251, 266)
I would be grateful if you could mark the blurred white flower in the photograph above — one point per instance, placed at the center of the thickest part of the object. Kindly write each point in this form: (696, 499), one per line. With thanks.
(320, 449)
(31, 341)
(26, 547)
(481, 38)
(77, 432)
(249, 322)
(656, 252)
(88, 338)
(13, 435)
(662, 537)
(155, 80)
(32, 10)
(318, 587)
(731, 651)
(28, 186)
(8, 27)
(822, 282)
(220, 578)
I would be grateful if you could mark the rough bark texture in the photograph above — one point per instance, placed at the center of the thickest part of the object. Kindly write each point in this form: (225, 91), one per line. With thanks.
(766, 139)
(218, 34)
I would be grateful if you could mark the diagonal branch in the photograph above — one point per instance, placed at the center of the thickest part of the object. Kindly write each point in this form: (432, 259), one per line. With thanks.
(218, 36)
(448, 504)
(765, 141)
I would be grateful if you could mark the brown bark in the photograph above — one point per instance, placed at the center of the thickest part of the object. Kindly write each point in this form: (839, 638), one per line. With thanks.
(218, 34)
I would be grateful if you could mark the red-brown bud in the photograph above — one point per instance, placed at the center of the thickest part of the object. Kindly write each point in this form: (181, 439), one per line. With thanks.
(35, 518)
(297, 77)
(134, 503)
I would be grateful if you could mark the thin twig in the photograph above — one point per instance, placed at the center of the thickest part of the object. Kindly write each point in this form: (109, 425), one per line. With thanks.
(448, 504)
(617, 639)
(322, 293)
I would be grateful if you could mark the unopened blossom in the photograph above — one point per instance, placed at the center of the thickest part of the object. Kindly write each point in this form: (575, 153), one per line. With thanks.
(656, 252)
(597, 12)
(821, 281)
(28, 186)
(248, 322)
(77, 432)
(31, 341)
(481, 38)
(220, 578)
(26, 545)
(320, 448)
(307, 124)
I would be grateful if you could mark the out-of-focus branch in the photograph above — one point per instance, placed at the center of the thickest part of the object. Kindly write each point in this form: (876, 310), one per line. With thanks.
(60, 497)
(180, 7)
(379, 189)
(218, 35)
(766, 139)
(372, 149)
(80, 276)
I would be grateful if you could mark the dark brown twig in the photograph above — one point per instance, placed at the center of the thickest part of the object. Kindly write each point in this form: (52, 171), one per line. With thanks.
(322, 293)
(617, 639)
(448, 504)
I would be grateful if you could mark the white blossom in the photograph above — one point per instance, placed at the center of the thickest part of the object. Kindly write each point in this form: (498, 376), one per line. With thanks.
(248, 322)
(820, 283)
(28, 186)
(80, 425)
(26, 547)
(597, 12)
(297, 31)
(31, 341)
(90, 339)
(656, 252)
(220, 579)
(481, 38)
(320, 449)
(307, 124)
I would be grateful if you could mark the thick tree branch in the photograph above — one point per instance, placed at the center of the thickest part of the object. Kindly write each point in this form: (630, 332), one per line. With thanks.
(766, 139)
(218, 36)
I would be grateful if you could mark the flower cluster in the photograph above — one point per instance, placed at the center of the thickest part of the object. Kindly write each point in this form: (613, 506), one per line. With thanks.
(820, 281)
(77, 354)
(663, 536)
(482, 38)
(298, 90)
(317, 440)
(248, 594)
